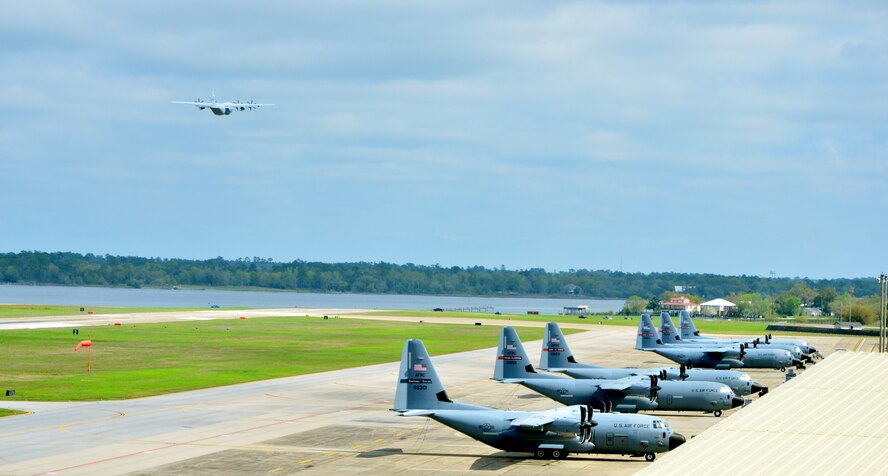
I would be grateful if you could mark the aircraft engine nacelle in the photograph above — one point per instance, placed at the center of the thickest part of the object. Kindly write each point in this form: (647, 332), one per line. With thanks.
(582, 428)
(565, 426)
(227, 111)
(632, 404)
(726, 364)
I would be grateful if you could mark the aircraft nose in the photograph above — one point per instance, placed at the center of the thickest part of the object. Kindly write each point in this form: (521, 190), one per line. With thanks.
(756, 387)
(736, 402)
(798, 363)
(676, 440)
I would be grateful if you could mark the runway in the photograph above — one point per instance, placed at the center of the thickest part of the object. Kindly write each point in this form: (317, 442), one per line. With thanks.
(46, 322)
(327, 422)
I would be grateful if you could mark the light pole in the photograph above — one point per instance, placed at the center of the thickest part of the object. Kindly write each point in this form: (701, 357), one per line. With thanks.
(883, 300)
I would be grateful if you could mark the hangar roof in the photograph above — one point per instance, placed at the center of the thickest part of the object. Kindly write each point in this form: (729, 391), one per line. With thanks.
(831, 419)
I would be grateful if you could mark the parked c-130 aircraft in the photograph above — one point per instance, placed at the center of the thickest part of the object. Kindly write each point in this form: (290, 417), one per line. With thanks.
(222, 108)
(670, 335)
(548, 434)
(710, 357)
(512, 366)
(556, 356)
(689, 332)
(625, 395)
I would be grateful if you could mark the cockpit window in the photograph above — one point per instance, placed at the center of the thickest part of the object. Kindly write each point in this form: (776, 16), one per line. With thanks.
(658, 424)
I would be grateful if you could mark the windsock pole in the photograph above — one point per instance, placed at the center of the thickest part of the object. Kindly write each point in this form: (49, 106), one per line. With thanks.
(88, 345)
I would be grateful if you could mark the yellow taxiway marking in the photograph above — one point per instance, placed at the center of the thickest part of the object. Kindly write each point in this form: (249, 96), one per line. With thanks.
(275, 470)
(379, 440)
(65, 426)
(330, 453)
(857, 347)
(304, 461)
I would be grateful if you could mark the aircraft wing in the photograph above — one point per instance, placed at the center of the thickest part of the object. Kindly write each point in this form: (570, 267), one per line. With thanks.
(418, 413)
(721, 351)
(193, 103)
(243, 104)
(533, 422)
(624, 383)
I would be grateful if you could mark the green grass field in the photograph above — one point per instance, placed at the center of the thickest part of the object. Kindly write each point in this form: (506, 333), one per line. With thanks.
(149, 359)
(726, 327)
(38, 310)
(4, 412)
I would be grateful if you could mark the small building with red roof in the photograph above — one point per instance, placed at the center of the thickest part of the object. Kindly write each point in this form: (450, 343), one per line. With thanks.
(678, 304)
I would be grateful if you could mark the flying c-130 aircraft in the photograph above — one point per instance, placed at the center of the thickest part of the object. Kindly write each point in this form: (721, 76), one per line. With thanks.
(222, 108)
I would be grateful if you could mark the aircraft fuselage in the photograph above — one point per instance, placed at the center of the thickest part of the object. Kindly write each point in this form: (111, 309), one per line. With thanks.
(672, 395)
(739, 382)
(752, 358)
(613, 434)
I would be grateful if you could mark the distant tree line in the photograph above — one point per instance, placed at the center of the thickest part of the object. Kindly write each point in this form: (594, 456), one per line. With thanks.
(847, 305)
(66, 268)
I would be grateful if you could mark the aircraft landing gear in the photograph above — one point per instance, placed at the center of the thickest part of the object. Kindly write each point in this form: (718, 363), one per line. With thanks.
(650, 457)
(717, 413)
(542, 453)
(783, 369)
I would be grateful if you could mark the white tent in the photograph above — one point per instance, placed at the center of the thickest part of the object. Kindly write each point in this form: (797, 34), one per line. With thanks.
(717, 306)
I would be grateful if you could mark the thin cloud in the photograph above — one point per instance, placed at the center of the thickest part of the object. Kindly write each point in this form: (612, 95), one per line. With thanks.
(524, 133)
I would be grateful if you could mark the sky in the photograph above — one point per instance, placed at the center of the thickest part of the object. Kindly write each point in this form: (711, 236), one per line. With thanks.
(737, 138)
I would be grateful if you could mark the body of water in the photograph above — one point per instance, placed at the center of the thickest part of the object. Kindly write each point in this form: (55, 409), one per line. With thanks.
(127, 297)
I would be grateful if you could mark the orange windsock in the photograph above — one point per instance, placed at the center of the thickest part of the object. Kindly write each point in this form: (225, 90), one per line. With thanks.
(83, 343)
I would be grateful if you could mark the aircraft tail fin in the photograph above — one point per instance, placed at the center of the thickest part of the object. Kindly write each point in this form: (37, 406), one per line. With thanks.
(668, 332)
(648, 336)
(556, 353)
(686, 326)
(419, 387)
(511, 358)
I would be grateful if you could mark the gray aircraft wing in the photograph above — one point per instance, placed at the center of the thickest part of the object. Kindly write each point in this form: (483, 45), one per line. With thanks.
(194, 103)
(418, 413)
(244, 104)
(572, 419)
(535, 422)
(717, 351)
(624, 383)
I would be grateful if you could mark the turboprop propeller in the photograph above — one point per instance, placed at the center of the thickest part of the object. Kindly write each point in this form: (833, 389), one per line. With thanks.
(586, 424)
(654, 388)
